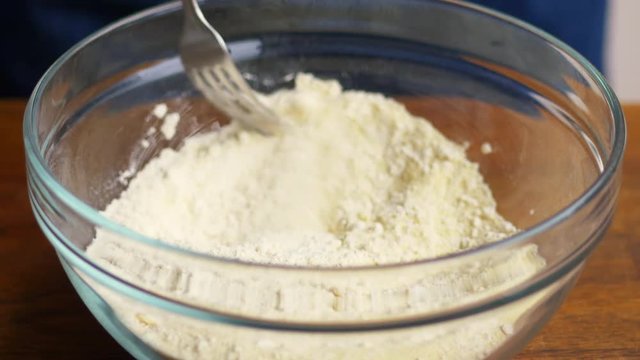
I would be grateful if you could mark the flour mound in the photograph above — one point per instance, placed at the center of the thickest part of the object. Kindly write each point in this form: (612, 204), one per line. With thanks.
(354, 180)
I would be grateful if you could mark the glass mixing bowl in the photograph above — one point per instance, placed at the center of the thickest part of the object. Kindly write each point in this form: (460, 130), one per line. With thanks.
(555, 127)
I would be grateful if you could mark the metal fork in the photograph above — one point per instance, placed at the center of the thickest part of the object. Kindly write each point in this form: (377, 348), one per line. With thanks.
(208, 64)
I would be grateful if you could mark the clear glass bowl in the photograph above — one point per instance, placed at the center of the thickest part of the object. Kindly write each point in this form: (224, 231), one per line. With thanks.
(555, 126)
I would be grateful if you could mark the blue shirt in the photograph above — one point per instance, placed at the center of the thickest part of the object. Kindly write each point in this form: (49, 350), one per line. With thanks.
(38, 31)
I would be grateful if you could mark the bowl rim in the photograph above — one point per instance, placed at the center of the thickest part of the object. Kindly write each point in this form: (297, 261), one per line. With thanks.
(37, 162)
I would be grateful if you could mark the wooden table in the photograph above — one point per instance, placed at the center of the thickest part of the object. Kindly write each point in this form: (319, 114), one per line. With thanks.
(42, 317)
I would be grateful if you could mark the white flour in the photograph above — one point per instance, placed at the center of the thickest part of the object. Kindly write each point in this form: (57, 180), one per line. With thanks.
(354, 180)
(169, 125)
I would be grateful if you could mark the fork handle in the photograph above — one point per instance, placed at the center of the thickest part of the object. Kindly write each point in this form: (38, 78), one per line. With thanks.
(194, 19)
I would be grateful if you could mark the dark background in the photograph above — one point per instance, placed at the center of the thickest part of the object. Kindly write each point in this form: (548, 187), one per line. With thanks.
(36, 32)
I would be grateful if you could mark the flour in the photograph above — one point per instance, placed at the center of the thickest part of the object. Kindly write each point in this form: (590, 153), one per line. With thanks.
(354, 180)
(486, 148)
(169, 125)
(160, 110)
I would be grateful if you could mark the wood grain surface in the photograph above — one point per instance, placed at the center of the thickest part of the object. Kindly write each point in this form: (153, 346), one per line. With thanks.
(41, 317)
